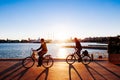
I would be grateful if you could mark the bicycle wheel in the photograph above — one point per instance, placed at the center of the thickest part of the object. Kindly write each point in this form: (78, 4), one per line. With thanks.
(70, 59)
(86, 60)
(47, 62)
(28, 62)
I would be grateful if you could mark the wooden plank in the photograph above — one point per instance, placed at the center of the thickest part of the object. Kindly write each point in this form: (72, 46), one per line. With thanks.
(96, 70)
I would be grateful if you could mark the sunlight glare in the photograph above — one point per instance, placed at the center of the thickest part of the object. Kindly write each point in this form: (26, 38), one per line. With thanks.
(62, 53)
(61, 32)
(61, 36)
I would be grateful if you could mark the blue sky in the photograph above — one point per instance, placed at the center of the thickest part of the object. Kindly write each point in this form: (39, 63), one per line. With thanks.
(59, 19)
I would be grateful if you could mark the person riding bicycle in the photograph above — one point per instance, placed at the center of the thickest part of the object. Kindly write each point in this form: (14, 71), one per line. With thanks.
(78, 47)
(41, 51)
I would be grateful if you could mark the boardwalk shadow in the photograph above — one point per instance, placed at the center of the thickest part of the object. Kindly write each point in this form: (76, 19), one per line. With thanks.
(108, 70)
(19, 75)
(72, 67)
(90, 68)
(46, 71)
(12, 70)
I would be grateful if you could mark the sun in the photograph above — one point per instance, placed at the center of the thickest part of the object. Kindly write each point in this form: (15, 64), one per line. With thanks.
(61, 32)
(61, 36)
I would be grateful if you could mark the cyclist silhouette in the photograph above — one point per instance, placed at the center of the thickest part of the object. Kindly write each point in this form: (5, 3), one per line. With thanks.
(78, 47)
(41, 51)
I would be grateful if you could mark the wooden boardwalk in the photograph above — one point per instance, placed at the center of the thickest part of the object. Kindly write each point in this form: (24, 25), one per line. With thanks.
(97, 70)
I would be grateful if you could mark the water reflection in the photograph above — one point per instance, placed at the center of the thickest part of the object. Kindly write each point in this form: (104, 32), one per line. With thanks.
(22, 50)
(62, 53)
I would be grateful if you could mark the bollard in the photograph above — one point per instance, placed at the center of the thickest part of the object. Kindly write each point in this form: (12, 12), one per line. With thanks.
(92, 57)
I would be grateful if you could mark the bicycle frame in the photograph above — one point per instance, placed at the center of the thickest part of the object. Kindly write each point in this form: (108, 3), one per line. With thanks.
(70, 59)
(33, 55)
(75, 53)
(47, 60)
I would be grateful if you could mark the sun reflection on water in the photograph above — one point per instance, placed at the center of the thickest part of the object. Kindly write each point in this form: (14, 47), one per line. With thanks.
(61, 51)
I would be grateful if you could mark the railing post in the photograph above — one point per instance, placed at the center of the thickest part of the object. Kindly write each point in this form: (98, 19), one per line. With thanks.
(92, 57)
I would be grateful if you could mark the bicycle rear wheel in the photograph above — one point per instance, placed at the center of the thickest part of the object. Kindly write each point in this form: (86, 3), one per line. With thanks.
(47, 62)
(86, 60)
(70, 59)
(28, 62)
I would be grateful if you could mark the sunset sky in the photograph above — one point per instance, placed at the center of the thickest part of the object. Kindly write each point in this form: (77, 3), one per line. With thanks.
(59, 19)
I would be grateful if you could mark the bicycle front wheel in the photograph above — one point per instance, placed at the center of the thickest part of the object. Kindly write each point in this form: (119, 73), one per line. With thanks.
(47, 62)
(86, 60)
(70, 59)
(28, 62)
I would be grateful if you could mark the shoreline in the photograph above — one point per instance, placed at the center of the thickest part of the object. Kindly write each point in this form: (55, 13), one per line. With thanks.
(89, 47)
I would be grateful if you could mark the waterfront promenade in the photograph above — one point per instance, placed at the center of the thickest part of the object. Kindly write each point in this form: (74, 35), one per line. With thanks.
(96, 70)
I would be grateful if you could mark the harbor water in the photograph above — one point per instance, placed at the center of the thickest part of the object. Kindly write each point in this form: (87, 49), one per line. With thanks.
(22, 50)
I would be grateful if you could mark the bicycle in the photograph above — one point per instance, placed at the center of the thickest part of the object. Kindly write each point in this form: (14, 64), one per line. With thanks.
(28, 62)
(84, 57)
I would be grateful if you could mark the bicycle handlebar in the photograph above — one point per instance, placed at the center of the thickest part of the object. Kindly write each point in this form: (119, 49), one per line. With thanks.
(33, 49)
